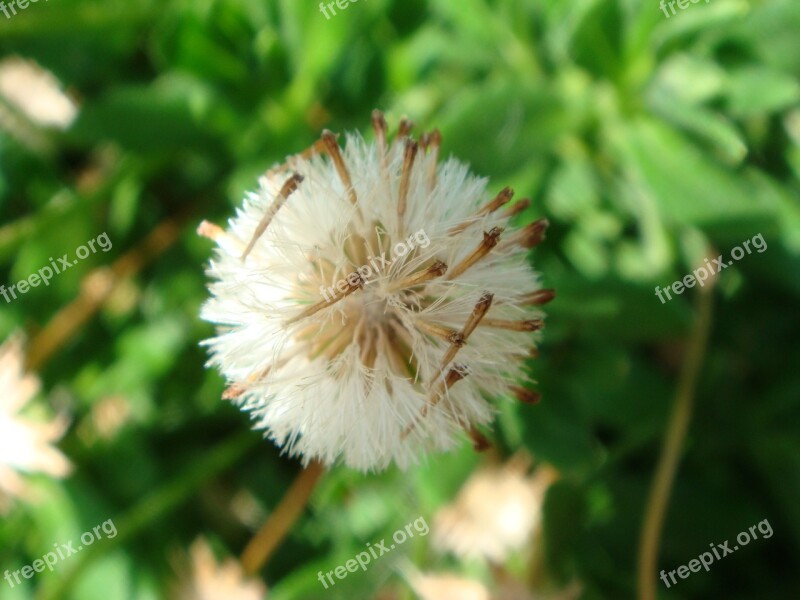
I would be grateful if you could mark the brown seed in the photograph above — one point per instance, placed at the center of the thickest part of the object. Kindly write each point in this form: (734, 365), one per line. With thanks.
(480, 443)
(526, 396)
(534, 233)
(502, 198)
(490, 239)
(517, 208)
(404, 128)
(539, 297)
(405, 177)
(332, 149)
(288, 188)
(234, 391)
(528, 325)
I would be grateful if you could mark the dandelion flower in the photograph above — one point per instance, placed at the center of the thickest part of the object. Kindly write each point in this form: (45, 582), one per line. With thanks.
(495, 513)
(25, 445)
(212, 581)
(369, 299)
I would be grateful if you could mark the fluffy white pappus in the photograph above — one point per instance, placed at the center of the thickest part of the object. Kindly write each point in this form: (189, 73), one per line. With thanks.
(370, 299)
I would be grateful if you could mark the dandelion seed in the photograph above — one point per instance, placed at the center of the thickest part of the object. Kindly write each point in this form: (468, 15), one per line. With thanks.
(363, 374)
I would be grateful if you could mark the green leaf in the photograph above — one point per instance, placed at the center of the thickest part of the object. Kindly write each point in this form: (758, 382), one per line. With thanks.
(757, 90)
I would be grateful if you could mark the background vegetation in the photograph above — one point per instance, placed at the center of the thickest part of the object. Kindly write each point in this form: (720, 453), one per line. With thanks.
(644, 139)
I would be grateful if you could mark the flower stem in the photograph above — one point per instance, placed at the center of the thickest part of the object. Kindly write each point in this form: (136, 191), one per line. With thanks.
(673, 442)
(280, 522)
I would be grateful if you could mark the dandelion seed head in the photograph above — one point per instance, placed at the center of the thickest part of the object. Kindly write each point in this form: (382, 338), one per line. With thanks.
(369, 298)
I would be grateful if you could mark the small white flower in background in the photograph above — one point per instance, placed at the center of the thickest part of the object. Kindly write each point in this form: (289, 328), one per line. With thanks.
(210, 580)
(495, 513)
(377, 371)
(36, 93)
(509, 588)
(108, 416)
(25, 444)
(445, 586)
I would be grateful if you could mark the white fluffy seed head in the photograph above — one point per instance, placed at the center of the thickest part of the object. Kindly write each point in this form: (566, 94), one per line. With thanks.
(350, 329)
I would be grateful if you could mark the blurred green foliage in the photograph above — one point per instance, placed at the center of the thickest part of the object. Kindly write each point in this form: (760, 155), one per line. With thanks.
(642, 138)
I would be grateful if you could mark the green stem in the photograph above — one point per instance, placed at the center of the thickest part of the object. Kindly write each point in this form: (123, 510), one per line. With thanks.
(667, 468)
